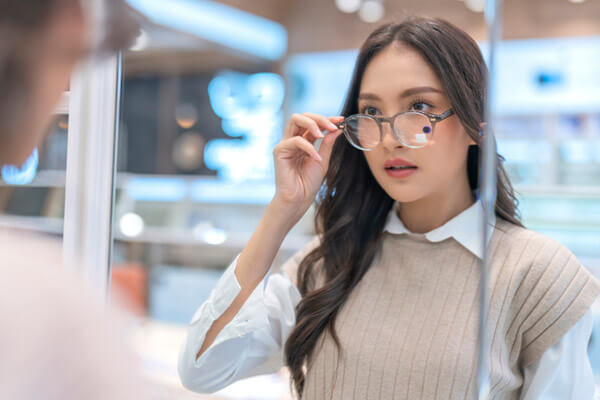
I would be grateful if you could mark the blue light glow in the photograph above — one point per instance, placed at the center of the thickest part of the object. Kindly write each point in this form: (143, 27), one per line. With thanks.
(250, 108)
(23, 175)
(319, 80)
(156, 189)
(577, 151)
(519, 150)
(218, 23)
(248, 192)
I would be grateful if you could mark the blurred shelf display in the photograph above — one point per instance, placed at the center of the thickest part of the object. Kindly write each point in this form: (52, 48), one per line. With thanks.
(209, 214)
(571, 217)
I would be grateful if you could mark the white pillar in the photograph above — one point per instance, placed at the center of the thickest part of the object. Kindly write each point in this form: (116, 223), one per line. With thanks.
(90, 176)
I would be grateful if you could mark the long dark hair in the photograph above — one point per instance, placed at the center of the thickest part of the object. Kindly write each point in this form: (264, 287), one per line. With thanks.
(350, 226)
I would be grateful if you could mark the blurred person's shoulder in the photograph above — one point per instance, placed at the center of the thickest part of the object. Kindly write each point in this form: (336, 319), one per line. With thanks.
(57, 333)
(20, 248)
(31, 267)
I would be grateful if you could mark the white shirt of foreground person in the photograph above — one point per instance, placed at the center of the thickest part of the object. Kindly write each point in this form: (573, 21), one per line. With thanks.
(252, 343)
(57, 341)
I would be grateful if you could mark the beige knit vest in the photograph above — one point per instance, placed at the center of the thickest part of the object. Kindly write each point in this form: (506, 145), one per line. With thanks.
(409, 329)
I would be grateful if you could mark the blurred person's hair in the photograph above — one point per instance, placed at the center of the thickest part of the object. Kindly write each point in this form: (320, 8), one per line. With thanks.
(21, 24)
(351, 208)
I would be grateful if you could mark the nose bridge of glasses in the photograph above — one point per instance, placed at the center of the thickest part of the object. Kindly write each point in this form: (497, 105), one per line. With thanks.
(394, 134)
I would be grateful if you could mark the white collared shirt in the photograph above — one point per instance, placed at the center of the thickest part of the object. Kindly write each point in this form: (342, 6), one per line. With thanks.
(251, 344)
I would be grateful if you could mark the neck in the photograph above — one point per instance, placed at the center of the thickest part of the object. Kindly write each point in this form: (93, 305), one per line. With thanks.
(433, 211)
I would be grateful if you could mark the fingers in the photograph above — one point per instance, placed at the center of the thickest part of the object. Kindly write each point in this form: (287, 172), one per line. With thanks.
(298, 143)
(309, 126)
(299, 125)
(304, 129)
(327, 145)
(337, 119)
(323, 122)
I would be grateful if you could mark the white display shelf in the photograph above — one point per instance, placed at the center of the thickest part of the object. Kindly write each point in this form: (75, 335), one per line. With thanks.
(56, 178)
(558, 190)
(63, 104)
(185, 237)
(44, 178)
(38, 224)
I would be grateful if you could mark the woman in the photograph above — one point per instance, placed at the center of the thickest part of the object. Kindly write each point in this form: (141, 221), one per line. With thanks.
(382, 303)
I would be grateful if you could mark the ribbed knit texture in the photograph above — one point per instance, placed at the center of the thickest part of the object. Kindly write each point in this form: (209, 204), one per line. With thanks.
(409, 329)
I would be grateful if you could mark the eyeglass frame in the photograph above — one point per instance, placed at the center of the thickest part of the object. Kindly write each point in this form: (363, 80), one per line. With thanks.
(433, 119)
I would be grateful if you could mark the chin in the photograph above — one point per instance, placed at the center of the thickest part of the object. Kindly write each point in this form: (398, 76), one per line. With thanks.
(404, 194)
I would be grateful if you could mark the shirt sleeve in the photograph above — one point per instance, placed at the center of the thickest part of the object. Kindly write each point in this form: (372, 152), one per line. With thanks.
(563, 371)
(252, 342)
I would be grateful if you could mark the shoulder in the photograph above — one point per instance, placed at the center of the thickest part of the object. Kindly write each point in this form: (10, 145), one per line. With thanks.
(290, 266)
(526, 248)
(549, 288)
(541, 268)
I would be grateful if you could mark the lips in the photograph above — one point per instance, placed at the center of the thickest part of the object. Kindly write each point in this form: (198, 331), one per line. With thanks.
(396, 163)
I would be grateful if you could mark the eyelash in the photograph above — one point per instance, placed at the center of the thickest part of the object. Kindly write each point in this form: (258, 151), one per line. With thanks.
(421, 101)
(415, 101)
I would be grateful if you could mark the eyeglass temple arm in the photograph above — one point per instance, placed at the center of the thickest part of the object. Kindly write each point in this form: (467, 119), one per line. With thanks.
(441, 116)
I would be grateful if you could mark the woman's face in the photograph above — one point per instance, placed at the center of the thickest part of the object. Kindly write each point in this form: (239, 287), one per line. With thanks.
(399, 79)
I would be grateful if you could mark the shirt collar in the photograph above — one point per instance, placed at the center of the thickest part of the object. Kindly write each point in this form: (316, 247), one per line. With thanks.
(465, 228)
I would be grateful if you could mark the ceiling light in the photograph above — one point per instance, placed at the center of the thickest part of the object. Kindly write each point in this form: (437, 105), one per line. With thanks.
(186, 115)
(475, 5)
(218, 23)
(131, 225)
(371, 11)
(141, 42)
(348, 6)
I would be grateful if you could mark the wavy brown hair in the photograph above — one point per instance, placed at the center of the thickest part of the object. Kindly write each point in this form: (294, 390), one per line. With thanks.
(350, 226)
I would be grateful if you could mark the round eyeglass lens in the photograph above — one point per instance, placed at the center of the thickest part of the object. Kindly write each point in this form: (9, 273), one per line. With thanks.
(414, 128)
(363, 131)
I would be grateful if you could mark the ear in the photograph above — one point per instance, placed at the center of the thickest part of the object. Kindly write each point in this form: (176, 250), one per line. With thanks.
(481, 132)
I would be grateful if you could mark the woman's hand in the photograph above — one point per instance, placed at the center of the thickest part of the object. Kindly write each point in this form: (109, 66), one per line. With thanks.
(299, 167)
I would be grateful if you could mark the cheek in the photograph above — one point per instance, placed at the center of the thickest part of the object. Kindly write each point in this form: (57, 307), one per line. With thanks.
(448, 154)
(375, 159)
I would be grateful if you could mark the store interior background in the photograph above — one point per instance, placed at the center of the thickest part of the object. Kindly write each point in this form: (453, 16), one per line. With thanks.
(201, 110)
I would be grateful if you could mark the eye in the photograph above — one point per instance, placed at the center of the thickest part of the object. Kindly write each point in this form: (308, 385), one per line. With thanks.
(370, 110)
(421, 105)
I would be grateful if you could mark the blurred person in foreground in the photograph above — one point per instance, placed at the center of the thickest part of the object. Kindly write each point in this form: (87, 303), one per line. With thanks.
(57, 340)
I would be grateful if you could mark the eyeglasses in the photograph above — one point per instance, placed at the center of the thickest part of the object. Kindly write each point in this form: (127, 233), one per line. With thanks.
(413, 129)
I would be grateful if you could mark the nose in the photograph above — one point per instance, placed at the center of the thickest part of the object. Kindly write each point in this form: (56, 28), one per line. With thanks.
(388, 138)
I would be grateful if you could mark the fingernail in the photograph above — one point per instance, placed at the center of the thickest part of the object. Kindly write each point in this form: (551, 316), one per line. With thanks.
(332, 125)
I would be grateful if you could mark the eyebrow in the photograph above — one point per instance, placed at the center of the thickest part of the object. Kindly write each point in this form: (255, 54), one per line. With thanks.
(406, 93)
